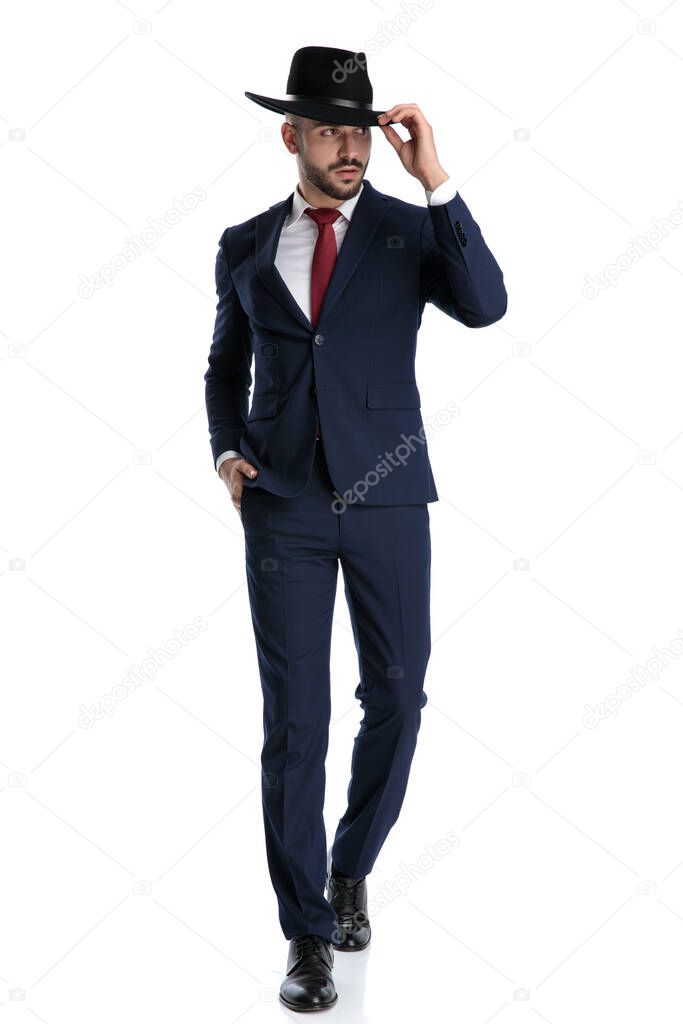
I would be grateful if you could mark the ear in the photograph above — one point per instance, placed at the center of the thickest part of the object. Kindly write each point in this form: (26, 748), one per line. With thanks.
(289, 137)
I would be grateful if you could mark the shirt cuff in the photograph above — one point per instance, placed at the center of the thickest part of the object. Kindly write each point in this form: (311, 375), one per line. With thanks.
(443, 193)
(227, 455)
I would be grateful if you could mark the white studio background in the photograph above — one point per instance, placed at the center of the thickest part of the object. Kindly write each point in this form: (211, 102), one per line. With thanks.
(535, 871)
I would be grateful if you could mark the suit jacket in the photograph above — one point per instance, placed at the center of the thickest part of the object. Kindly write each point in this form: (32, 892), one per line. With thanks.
(356, 368)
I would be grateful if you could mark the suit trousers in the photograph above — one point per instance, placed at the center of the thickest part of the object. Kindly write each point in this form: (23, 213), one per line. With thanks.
(293, 547)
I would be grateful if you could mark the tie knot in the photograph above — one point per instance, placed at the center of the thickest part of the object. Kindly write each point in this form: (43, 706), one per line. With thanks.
(321, 215)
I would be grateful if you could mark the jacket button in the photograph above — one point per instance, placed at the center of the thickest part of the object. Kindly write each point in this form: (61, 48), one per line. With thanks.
(312, 391)
(319, 339)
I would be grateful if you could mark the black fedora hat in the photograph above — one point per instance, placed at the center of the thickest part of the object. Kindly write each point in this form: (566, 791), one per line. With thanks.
(326, 84)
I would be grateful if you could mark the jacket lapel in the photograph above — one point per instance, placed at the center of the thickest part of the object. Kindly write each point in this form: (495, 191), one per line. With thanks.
(268, 228)
(367, 216)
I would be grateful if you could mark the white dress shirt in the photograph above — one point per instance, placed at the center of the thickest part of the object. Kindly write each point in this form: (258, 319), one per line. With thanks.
(294, 256)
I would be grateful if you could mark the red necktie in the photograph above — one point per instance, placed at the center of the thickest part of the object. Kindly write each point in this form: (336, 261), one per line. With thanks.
(324, 258)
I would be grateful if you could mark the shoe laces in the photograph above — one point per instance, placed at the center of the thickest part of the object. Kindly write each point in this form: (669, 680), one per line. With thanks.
(308, 945)
(347, 898)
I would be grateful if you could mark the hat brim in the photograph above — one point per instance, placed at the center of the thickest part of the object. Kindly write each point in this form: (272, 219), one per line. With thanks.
(328, 112)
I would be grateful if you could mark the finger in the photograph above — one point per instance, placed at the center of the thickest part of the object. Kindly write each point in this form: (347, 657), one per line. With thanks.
(392, 136)
(401, 110)
(416, 126)
(237, 501)
(411, 117)
(246, 468)
(398, 106)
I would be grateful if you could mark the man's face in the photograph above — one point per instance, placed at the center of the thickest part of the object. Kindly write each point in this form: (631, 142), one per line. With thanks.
(325, 149)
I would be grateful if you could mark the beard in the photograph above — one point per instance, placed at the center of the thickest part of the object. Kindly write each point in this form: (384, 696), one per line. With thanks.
(328, 182)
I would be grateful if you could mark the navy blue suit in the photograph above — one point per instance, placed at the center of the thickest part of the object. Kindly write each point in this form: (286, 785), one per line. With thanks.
(358, 497)
(357, 368)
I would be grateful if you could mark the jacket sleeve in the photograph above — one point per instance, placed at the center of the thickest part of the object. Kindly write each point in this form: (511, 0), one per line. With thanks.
(228, 378)
(458, 272)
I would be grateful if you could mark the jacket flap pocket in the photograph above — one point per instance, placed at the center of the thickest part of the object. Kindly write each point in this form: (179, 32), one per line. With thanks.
(264, 405)
(390, 394)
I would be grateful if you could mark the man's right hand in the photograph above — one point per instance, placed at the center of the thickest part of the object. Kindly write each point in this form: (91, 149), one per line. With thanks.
(232, 472)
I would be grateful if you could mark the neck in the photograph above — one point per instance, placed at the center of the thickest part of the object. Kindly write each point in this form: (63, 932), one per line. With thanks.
(314, 197)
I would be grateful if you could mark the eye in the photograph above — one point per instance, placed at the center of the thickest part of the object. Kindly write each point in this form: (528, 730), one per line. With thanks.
(364, 130)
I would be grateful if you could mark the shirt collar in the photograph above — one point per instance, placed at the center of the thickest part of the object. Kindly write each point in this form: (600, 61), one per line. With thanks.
(299, 204)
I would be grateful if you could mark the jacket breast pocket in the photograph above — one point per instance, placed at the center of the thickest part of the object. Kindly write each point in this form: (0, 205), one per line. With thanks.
(392, 394)
(264, 405)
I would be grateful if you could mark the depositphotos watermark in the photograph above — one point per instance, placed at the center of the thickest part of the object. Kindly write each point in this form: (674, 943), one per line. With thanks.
(639, 676)
(393, 460)
(136, 245)
(392, 888)
(638, 248)
(136, 675)
(388, 30)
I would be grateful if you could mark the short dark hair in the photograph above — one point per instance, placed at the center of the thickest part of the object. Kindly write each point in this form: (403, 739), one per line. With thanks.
(296, 121)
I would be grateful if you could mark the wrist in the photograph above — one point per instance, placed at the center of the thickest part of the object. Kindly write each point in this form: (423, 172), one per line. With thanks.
(431, 181)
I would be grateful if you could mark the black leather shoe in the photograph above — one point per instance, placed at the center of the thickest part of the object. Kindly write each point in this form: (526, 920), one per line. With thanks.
(308, 984)
(349, 897)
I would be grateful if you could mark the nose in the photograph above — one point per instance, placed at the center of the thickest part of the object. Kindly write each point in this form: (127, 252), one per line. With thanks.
(349, 158)
(348, 147)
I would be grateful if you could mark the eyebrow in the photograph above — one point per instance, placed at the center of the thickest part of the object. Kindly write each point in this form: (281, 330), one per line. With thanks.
(326, 124)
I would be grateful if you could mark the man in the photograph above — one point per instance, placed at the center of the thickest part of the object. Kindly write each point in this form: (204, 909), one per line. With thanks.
(325, 290)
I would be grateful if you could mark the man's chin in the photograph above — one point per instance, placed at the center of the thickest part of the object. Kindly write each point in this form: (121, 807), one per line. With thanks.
(338, 188)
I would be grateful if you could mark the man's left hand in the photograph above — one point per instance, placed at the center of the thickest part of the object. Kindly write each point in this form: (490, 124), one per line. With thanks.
(418, 153)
